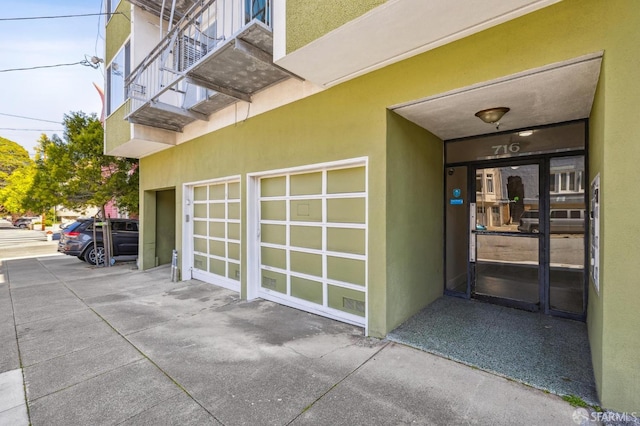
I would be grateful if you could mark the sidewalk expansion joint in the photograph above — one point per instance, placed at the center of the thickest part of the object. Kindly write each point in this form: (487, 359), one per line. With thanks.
(335, 385)
(138, 350)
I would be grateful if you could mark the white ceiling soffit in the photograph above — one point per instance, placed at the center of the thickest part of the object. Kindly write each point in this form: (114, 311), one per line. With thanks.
(555, 93)
(396, 30)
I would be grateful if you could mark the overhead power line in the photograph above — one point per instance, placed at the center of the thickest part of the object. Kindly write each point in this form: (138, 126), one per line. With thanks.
(93, 62)
(26, 18)
(30, 118)
(31, 130)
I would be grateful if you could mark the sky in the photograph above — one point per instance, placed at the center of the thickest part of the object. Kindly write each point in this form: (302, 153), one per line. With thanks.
(48, 93)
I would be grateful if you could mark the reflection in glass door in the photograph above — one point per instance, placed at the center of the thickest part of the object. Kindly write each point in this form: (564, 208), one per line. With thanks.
(567, 219)
(506, 267)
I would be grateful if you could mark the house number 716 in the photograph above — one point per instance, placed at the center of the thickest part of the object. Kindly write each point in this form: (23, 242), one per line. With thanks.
(512, 148)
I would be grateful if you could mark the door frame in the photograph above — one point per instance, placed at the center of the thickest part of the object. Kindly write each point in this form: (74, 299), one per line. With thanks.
(542, 267)
(544, 161)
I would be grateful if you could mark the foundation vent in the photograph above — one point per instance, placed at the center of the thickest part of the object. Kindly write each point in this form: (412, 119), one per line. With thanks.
(353, 304)
(269, 283)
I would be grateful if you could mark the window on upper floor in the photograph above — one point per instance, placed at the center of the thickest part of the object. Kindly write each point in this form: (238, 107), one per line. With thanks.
(111, 7)
(567, 182)
(117, 71)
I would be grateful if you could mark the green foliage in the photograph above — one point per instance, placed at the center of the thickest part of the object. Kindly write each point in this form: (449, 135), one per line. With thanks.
(73, 171)
(13, 196)
(13, 157)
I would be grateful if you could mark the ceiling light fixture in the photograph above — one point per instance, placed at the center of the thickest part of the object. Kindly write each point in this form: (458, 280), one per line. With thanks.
(525, 133)
(492, 115)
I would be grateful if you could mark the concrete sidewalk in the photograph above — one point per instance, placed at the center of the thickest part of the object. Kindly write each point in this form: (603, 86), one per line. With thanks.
(118, 346)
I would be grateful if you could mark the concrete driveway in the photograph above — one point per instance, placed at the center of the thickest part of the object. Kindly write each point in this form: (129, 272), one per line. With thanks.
(119, 346)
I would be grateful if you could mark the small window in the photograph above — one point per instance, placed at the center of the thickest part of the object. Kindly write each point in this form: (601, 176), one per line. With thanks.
(490, 183)
(117, 71)
(575, 214)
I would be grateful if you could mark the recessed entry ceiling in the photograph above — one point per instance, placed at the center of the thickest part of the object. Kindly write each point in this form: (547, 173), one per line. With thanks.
(551, 94)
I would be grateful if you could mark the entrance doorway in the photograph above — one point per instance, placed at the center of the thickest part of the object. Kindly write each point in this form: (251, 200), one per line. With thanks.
(515, 222)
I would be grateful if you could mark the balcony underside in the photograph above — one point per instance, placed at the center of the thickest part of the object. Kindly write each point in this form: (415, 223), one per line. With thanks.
(155, 7)
(232, 72)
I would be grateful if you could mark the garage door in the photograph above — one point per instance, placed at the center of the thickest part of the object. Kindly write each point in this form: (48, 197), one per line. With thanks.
(313, 241)
(215, 233)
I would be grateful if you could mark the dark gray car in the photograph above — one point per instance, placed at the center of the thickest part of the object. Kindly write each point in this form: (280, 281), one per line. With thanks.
(77, 239)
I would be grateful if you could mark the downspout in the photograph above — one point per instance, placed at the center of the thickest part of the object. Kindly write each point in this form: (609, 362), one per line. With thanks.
(161, 17)
(173, 9)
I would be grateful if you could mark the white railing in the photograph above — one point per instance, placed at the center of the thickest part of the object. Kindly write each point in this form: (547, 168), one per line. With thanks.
(160, 76)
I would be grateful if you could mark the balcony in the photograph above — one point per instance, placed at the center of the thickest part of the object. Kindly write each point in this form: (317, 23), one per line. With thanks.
(220, 52)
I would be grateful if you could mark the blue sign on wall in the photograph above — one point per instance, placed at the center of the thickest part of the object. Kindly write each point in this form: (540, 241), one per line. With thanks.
(456, 201)
(457, 192)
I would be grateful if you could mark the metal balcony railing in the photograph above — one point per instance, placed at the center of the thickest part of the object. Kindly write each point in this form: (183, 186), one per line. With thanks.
(161, 77)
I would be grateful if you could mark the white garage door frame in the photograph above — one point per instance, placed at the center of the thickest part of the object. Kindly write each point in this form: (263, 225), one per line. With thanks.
(254, 275)
(188, 202)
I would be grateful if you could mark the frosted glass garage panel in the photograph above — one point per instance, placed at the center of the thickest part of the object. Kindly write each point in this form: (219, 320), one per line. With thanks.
(313, 237)
(346, 180)
(306, 184)
(215, 234)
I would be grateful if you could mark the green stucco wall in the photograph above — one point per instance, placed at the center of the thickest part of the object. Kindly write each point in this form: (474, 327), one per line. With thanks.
(414, 219)
(118, 129)
(350, 120)
(309, 20)
(118, 30)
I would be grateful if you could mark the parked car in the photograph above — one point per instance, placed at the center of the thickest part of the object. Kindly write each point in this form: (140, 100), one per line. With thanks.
(563, 221)
(24, 222)
(76, 239)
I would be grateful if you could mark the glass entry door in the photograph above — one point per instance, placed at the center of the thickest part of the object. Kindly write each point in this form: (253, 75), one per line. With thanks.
(505, 255)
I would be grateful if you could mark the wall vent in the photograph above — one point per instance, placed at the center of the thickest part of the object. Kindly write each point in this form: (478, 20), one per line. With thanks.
(269, 283)
(353, 304)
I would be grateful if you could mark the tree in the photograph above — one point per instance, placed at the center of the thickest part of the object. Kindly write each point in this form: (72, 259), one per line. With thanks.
(13, 196)
(75, 173)
(13, 158)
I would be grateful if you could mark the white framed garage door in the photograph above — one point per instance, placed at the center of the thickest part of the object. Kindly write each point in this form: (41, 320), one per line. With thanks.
(213, 233)
(311, 250)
